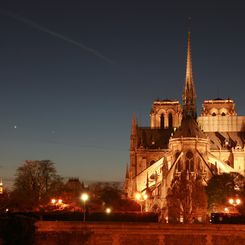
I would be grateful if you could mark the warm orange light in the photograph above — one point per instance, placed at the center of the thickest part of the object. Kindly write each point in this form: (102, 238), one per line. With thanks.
(231, 201)
(238, 201)
(141, 197)
(138, 196)
(108, 210)
(84, 197)
(235, 202)
(226, 210)
(60, 201)
(53, 201)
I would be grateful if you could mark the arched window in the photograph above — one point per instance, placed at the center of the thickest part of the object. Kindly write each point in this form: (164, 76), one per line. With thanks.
(162, 121)
(189, 162)
(213, 114)
(222, 114)
(170, 120)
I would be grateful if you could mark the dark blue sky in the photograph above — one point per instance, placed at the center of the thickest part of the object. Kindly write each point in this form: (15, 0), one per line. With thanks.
(73, 107)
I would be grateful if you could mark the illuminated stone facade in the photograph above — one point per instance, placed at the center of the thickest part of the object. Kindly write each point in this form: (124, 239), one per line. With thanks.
(178, 141)
(166, 114)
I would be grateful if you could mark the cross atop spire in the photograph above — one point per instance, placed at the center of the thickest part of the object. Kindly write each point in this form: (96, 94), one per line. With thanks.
(189, 94)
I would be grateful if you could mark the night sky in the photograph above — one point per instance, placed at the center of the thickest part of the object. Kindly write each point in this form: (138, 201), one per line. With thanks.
(72, 73)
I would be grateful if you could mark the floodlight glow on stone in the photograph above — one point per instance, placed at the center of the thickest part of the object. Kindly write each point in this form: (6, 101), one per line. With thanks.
(138, 196)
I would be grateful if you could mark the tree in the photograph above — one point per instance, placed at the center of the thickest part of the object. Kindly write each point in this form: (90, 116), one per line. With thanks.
(4, 201)
(105, 195)
(35, 182)
(186, 198)
(221, 187)
(110, 195)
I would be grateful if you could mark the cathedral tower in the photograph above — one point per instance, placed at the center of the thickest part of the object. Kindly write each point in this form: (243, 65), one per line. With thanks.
(189, 93)
(174, 152)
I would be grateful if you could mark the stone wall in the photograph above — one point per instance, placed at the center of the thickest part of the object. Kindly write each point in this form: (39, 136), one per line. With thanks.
(74, 233)
(221, 123)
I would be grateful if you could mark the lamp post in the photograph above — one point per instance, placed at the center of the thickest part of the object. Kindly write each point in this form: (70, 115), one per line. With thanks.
(234, 202)
(138, 198)
(53, 201)
(141, 198)
(84, 198)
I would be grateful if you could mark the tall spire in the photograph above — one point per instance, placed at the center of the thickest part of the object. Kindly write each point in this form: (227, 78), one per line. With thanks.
(127, 173)
(134, 125)
(189, 94)
(133, 137)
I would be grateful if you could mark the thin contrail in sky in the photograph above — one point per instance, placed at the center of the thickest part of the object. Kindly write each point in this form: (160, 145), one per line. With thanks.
(55, 34)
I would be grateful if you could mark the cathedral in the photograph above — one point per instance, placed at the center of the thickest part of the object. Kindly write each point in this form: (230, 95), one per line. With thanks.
(179, 141)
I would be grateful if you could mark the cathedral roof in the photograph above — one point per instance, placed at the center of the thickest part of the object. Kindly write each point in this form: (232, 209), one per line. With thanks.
(226, 140)
(153, 138)
(189, 128)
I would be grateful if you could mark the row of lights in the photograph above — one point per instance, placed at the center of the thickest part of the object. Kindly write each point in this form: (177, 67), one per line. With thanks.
(140, 197)
(84, 197)
(56, 201)
(234, 202)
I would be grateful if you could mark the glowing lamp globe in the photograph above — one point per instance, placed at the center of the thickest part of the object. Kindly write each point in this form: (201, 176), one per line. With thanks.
(84, 197)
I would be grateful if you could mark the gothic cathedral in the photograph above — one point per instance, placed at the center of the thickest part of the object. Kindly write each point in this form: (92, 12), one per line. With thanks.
(178, 143)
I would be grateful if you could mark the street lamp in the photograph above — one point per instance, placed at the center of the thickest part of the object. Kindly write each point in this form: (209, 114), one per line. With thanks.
(138, 198)
(84, 198)
(141, 198)
(108, 210)
(53, 201)
(235, 201)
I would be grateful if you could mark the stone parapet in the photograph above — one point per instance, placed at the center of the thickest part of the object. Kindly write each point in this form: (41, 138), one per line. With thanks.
(53, 232)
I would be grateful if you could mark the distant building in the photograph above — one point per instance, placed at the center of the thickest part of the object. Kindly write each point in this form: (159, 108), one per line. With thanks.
(178, 141)
(1, 187)
(72, 192)
(74, 185)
